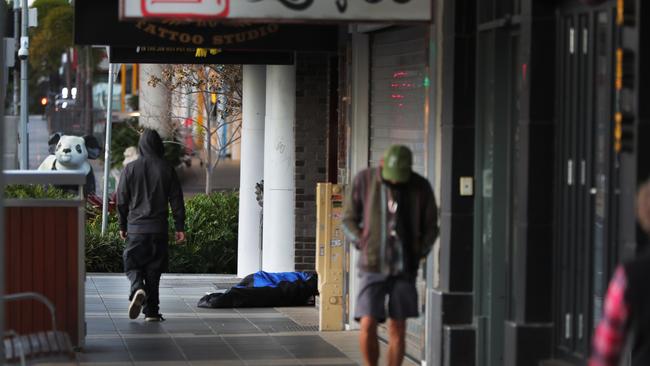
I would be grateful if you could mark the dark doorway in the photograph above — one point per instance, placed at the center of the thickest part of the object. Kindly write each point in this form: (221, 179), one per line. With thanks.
(498, 93)
(584, 149)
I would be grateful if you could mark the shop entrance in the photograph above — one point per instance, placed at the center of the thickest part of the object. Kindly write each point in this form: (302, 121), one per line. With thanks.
(584, 153)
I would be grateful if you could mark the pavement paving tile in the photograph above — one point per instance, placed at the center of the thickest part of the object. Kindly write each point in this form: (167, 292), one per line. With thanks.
(221, 363)
(138, 326)
(256, 310)
(186, 326)
(205, 349)
(276, 325)
(232, 326)
(100, 326)
(193, 336)
(154, 349)
(215, 311)
(104, 350)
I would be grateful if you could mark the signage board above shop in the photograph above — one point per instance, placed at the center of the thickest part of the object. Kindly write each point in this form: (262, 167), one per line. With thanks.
(96, 22)
(189, 55)
(281, 10)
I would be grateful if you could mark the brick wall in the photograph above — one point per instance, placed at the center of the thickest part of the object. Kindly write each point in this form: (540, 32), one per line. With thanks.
(312, 117)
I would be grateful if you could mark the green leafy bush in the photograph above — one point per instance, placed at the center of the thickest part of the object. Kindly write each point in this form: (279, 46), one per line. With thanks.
(211, 229)
(103, 253)
(37, 191)
(211, 246)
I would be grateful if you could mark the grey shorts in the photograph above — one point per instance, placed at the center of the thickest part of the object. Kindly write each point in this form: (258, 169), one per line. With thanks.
(374, 288)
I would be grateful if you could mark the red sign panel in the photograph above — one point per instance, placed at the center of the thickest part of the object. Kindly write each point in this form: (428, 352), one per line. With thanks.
(191, 8)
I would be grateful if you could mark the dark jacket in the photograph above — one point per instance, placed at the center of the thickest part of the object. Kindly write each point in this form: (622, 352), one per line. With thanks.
(365, 219)
(147, 185)
(637, 297)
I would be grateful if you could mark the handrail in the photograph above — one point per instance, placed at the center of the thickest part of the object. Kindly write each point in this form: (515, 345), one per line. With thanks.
(58, 177)
(35, 296)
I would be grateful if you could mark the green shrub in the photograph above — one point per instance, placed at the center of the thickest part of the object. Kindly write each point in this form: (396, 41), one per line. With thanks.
(103, 253)
(21, 191)
(211, 247)
(211, 228)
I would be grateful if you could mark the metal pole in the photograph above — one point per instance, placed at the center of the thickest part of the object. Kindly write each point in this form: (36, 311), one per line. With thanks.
(24, 104)
(16, 71)
(208, 172)
(2, 220)
(107, 145)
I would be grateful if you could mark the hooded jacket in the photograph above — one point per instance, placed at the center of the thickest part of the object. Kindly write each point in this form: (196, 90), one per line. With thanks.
(146, 188)
(365, 220)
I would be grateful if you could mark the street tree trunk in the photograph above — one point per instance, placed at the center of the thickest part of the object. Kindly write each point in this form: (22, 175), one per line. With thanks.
(208, 167)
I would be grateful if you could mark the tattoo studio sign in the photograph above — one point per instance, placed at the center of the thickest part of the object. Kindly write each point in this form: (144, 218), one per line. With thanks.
(280, 10)
(166, 31)
(96, 23)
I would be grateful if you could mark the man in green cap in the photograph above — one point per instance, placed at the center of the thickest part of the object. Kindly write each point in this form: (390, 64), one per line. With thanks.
(391, 217)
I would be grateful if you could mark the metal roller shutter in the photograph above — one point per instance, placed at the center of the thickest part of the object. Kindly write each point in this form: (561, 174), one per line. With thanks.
(397, 94)
(397, 112)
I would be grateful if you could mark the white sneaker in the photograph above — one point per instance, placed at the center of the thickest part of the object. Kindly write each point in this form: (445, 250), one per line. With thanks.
(136, 304)
(154, 318)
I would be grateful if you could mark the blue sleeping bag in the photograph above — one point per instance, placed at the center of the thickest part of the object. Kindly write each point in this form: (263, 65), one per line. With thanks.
(273, 279)
(266, 289)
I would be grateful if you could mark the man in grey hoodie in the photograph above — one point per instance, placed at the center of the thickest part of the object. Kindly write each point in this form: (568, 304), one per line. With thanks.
(147, 187)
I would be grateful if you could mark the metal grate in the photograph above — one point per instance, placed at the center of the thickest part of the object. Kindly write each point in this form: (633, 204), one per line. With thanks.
(294, 328)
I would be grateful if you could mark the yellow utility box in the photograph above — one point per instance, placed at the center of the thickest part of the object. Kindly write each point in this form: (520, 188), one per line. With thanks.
(330, 256)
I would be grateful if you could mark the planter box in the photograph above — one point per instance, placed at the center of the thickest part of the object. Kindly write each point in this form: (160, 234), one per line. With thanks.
(44, 253)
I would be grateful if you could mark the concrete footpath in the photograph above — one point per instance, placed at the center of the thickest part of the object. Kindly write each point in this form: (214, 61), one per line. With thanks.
(225, 177)
(196, 336)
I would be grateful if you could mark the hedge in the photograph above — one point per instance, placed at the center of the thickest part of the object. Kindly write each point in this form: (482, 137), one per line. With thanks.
(36, 191)
(211, 230)
(210, 247)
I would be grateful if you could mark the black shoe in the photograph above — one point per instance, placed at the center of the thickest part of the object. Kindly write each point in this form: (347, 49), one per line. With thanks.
(154, 318)
(136, 304)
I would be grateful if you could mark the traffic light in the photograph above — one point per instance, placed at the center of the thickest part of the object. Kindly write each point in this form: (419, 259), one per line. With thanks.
(44, 101)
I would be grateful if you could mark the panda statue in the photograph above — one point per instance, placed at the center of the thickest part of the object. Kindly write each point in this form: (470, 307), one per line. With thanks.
(71, 153)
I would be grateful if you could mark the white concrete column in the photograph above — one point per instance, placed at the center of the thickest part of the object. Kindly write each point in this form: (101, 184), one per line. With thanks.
(154, 102)
(279, 166)
(249, 255)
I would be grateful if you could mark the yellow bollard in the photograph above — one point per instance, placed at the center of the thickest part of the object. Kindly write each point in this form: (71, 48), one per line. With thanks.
(330, 256)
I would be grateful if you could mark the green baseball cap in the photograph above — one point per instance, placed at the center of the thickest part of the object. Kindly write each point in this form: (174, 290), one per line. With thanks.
(397, 164)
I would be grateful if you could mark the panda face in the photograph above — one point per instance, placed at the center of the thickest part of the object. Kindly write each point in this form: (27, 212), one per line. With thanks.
(71, 152)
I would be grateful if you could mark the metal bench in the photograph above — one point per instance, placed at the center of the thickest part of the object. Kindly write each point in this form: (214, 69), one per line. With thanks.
(20, 348)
